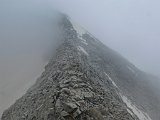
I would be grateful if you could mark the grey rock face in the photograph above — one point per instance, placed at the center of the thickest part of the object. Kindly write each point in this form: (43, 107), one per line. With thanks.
(77, 83)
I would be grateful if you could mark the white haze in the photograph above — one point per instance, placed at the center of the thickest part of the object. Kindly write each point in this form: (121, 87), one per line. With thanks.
(27, 33)
(27, 28)
(130, 27)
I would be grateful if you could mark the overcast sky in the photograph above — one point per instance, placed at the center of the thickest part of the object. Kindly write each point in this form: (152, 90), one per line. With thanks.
(26, 29)
(130, 27)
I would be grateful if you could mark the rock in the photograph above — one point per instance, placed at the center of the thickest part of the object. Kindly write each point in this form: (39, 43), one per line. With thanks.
(70, 107)
(66, 81)
(75, 86)
(34, 118)
(66, 91)
(63, 85)
(58, 105)
(82, 85)
(78, 98)
(76, 113)
(64, 114)
(44, 91)
(87, 94)
(51, 117)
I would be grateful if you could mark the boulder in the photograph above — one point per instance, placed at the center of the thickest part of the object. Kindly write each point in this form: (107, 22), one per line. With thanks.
(70, 107)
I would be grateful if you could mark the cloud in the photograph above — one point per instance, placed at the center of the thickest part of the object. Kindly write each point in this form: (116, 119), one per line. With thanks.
(27, 32)
(131, 27)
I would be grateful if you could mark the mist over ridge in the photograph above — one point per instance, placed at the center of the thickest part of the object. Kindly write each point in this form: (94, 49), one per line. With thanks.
(28, 37)
(28, 32)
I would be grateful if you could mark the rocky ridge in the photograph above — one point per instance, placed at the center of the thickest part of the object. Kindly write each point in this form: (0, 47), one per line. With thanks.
(79, 83)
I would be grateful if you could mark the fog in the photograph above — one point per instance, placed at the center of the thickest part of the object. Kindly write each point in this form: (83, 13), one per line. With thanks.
(27, 34)
(27, 29)
(130, 27)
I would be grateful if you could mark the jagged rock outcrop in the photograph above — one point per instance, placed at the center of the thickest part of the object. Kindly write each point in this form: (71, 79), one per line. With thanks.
(81, 82)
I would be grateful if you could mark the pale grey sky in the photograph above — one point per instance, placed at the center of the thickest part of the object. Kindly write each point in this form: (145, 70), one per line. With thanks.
(130, 27)
(26, 32)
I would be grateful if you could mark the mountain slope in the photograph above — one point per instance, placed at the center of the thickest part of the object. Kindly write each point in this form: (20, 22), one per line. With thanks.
(85, 80)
